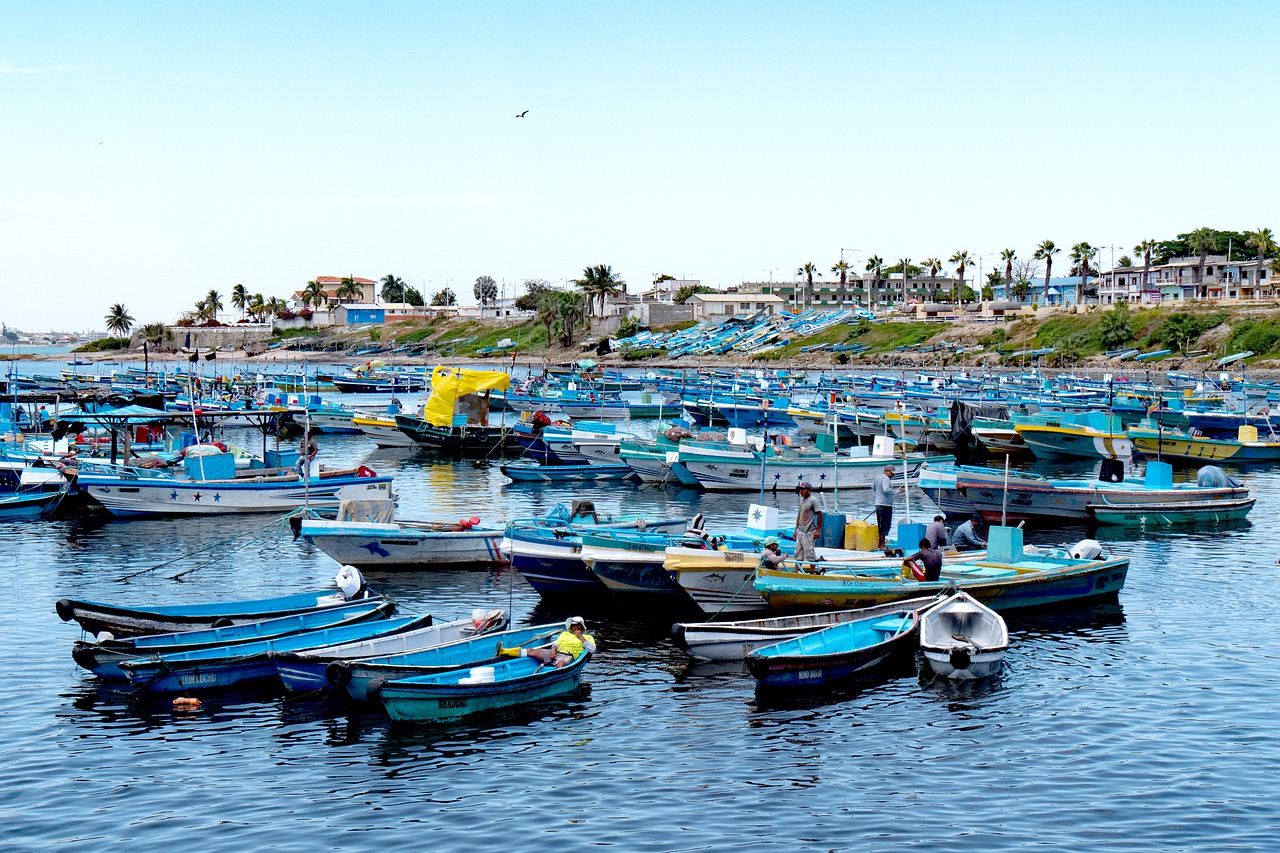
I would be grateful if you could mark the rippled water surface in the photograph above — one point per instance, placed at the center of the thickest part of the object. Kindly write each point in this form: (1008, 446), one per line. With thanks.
(1142, 725)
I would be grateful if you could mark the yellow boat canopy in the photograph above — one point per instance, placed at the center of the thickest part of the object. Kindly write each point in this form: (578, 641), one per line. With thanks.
(448, 384)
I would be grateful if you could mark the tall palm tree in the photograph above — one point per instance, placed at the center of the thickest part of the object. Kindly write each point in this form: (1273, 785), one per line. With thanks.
(1045, 252)
(276, 306)
(961, 259)
(118, 320)
(599, 281)
(905, 263)
(841, 268)
(1146, 248)
(1008, 256)
(808, 271)
(1264, 243)
(933, 265)
(1081, 254)
(875, 264)
(1202, 241)
(392, 288)
(240, 298)
(349, 289)
(258, 308)
(213, 304)
(313, 294)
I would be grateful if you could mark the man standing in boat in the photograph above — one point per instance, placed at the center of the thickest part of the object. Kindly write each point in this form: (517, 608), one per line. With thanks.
(882, 488)
(808, 523)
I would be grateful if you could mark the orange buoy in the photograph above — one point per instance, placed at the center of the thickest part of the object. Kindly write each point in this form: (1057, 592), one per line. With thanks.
(186, 703)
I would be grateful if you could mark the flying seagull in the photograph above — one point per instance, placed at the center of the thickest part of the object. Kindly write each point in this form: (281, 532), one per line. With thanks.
(523, 114)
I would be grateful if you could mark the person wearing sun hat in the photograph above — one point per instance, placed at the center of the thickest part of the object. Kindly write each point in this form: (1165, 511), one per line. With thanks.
(771, 557)
(572, 643)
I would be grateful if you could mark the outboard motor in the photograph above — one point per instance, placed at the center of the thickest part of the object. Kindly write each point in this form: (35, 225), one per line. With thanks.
(1112, 471)
(1086, 549)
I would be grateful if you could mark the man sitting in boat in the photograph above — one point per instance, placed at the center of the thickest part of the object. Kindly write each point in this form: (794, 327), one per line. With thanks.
(771, 557)
(696, 535)
(568, 647)
(968, 536)
(925, 564)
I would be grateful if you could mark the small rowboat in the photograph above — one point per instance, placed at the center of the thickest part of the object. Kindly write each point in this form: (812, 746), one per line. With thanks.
(96, 617)
(459, 692)
(103, 657)
(1169, 513)
(736, 640)
(962, 638)
(842, 651)
(525, 473)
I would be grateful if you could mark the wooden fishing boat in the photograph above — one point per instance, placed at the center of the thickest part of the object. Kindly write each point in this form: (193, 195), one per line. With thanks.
(306, 670)
(221, 667)
(1090, 434)
(103, 657)
(1164, 442)
(360, 676)
(735, 640)
(383, 430)
(459, 692)
(1170, 513)
(962, 638)
(524, 472)
(846, 650)
(122, 621)
(367, 535)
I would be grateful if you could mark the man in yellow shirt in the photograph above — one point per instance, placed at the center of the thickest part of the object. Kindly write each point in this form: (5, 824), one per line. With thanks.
(568, 647)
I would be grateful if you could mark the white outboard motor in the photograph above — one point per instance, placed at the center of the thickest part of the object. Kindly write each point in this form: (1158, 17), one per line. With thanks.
(1086, 549)
(349, 582)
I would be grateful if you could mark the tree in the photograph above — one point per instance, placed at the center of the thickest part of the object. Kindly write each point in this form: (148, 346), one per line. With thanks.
(994, 280)
(933, 265)
(599, 281)
(561, 313)
(1008, 256)
(1115, 329)
(690, 290)
(533, 290)
(485, 289)
(1179, 331)
(1202, 241)
(905, 263)
(1145, 248)
(239, 298)
(118, 320)
(313, 294)
(841, 268)
(875, 264)
(276, 306)
(349, 290)
(1125, 262)
(1020, 290)
(413, 297)
(257, 308)
(212, 305)
(1263, 243)
(1045, 252)
(961, 259)
(444, 297)
(1081, 254)
(155, 333)
(392, 288)
(808, 269)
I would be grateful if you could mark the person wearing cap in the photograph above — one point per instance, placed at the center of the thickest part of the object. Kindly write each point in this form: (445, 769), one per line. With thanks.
(929, 558)
(967, 536)
(771, 557)
(568, 647)
(936, 532)
(808, 523)
(882, 489)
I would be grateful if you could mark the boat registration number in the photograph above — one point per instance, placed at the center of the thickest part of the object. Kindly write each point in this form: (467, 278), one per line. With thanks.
(452, 702)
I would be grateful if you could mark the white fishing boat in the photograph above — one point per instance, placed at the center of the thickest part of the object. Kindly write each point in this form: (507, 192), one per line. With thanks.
(367, 535)
(962, 638)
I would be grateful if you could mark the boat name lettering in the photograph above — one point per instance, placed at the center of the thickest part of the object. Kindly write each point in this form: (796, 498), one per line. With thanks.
(453, 702)
(732, 557)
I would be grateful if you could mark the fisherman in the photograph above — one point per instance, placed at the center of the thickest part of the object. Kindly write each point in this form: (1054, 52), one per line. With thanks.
(882, 489)
(808, 523)
(306, 456)
(771, 557)
(568, 647)
(929, 557)
(968, 536)
(936, 532)
(351, 583)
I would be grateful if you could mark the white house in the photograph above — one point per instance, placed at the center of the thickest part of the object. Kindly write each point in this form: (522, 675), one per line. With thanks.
(710, 306)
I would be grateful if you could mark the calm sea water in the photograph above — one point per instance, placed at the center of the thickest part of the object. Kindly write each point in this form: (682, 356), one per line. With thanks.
(1139, 726)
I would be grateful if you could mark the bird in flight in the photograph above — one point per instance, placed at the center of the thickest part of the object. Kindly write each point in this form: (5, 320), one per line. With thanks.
(523, 114)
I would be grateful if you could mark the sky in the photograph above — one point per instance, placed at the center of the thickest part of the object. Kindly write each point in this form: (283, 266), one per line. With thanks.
(156, 151)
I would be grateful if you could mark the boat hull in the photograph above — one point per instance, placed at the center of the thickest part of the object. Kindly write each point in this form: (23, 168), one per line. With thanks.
(848, 650)
(443, 697)
(389, 547)
(165, 496)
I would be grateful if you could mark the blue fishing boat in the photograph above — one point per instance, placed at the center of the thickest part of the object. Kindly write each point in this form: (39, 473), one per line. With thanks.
(221, 667)
(103, 657)
(454, 694)
(525, 472)
(842, 651)
(123, 621)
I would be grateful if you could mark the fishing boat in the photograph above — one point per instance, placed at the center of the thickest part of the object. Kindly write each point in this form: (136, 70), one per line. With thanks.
(306, 670)
(1163, 442)
(962, 638)
(1170, 513)
(367, 535)
(240, 664)
(1009, 577)
(457, 693)
(735, 640)
(847, 650)
(1091, 434)
(532, 472)
(455, 417)
(360, 676)
(123, 621)
(103, 656)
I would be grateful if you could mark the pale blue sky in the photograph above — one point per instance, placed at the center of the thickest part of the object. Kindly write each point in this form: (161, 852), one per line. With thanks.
(155, 151)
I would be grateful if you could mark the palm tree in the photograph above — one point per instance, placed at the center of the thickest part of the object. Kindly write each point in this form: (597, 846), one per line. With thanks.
(392, 288)
(599, 281)
(933, 265)
(1045, 252)
(240, 298)
(961, 259)
(485, 290)
(276, 306)
(118, 320)
(213, 302)
(313, 294)
(1146, 248)
(348, 289)
(258, 308)
(875, 264)
(1081, 254)
(1008, 256)
(808, 271)
(905, 263)
(841, 268)
(1262, 242)
(201, 311)
(1202, 241)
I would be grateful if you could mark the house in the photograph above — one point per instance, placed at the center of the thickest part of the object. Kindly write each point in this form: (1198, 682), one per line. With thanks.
(712, 306)
(1180, 279)
(358, 315)
(503, 309)
(331, 285)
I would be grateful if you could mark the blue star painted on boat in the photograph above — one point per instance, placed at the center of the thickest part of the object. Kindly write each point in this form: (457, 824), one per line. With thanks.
(217, 496)
(822, 477)
(777, 477)
(173, 496)
(755, 514)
